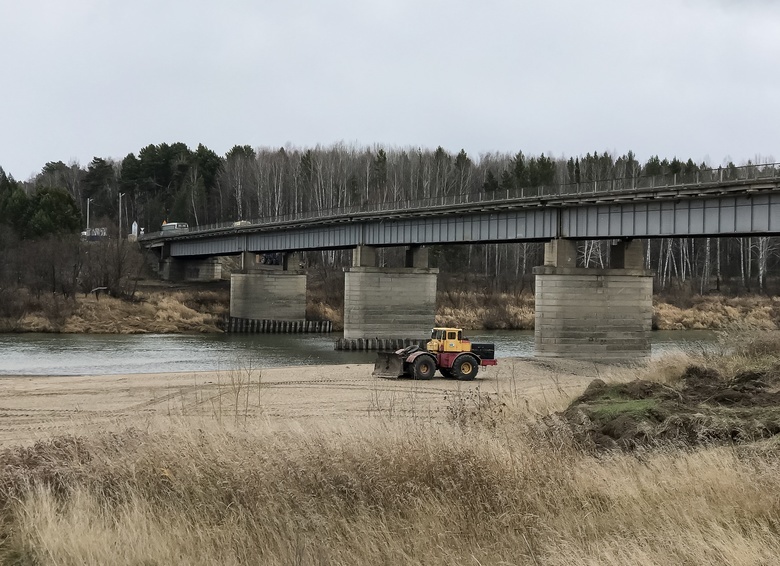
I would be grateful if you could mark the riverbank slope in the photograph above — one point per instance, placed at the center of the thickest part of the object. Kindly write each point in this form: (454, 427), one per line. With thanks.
(159, 307)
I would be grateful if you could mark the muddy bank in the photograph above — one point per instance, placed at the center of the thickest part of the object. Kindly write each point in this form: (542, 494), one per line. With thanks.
(702, 408)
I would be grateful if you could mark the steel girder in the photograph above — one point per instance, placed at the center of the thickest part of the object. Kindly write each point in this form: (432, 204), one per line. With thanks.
(536, 224)
(724, 215)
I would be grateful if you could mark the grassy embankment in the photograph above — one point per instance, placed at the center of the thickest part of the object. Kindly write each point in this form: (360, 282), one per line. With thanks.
(500, 480)
(180, 310)
(716, 312)
(200, 310)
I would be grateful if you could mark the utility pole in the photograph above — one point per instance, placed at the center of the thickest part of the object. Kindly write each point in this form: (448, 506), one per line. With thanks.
(120, 214)
(89, 200)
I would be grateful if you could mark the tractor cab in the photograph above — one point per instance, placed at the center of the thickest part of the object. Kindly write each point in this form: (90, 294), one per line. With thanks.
(448, 340)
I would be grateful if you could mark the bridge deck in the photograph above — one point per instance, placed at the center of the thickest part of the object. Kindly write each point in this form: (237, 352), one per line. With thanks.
(599, 210)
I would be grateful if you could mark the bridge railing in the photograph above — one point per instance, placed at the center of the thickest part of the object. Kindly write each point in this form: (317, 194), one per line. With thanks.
(542, 193)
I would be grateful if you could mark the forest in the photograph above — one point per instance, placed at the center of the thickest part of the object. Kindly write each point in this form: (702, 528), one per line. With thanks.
(42, 217)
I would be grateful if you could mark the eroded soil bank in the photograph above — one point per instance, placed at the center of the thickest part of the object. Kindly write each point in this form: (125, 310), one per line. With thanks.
(702, 407)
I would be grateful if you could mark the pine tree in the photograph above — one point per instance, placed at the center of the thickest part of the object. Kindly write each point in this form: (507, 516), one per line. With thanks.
(491, 183)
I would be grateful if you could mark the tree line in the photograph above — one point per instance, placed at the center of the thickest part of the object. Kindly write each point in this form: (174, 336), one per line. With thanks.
(171, 182)
(42, 253)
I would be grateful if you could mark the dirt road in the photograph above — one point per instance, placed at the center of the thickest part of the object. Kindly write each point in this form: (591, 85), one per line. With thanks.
(33, 408)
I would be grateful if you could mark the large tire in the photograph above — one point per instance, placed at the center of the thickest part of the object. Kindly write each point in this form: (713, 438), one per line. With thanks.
(465, 368)
(446, 373)
(424, 367)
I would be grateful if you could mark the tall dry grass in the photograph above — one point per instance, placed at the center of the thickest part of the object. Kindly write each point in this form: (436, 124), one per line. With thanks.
(492, 484)
(389, 494)
(160, 312)
(156, 311)
(476, 310)
(717, 312)
(492, 310)
(743, 349)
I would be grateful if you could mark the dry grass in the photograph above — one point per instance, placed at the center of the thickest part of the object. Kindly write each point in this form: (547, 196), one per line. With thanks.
(744, 349)
(389, 494)
(718, 312)
(199, 311)
(156, 312)
(323, 311)
(489, 485)
(24, 311)
(476, 310)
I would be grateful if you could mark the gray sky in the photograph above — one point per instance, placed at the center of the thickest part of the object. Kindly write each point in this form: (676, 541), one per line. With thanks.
(686, 78)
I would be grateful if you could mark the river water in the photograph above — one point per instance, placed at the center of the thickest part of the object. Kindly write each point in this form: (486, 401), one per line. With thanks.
(92, 354)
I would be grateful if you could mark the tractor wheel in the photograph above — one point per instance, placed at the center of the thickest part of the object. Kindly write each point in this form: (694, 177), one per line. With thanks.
(446, 373)
(424, 367)
(465, 368)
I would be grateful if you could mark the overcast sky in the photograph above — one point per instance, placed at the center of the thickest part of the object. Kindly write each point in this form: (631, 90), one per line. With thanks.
(685, 78)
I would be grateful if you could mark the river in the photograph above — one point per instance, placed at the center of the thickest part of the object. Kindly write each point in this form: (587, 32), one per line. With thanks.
(93, 354)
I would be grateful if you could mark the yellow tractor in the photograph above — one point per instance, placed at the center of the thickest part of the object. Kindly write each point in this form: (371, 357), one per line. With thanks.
(447, 350)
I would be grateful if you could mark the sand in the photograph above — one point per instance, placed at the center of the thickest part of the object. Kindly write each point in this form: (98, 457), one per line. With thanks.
(35, 407)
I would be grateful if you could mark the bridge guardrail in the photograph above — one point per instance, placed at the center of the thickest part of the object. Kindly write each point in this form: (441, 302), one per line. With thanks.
(713, 176)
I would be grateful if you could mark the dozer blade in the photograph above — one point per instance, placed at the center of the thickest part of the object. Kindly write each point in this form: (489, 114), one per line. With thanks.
(388, 365)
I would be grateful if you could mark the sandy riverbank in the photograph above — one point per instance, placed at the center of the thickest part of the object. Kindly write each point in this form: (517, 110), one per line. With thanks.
(327, 465)
(33, 408)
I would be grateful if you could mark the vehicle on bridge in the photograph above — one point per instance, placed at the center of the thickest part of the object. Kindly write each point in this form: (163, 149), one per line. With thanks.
(447, 350)
(94, 234)
(172, 226)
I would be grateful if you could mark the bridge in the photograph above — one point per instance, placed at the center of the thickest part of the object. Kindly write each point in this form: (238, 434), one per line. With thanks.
(572, 303)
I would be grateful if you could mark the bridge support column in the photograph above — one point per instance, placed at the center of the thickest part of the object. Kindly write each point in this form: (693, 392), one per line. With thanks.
(248, 261)
(292, 261)
(171, 269)
(388, 302)
(268, 293)
(560, 253)
(594, 314)
(627, 255)
(175, 269)
(364, 256)
(417, 256)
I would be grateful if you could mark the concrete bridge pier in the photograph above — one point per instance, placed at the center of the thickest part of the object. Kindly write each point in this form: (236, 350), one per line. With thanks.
(593, 314)
(190, 269)
(264, 292)
(389, 302)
